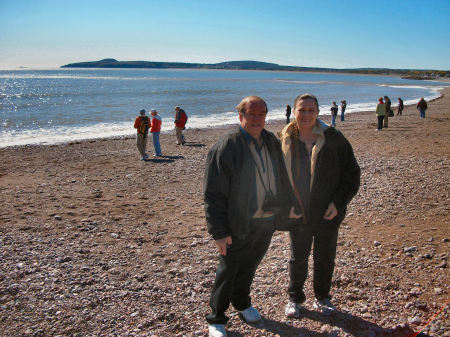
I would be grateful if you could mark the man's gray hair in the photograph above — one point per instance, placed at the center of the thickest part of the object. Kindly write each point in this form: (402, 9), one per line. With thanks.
(241, 107)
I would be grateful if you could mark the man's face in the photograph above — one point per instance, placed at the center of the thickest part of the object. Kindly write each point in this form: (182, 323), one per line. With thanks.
(254, 119)
(306, 114)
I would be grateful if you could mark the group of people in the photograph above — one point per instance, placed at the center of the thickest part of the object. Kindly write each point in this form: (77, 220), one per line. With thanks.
(256, 184)
(384, 110)
(144, 125)
(334, 112)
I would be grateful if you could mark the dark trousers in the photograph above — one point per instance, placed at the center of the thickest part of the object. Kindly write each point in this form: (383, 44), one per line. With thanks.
(235, 272)
(324, 253)
(380, 122)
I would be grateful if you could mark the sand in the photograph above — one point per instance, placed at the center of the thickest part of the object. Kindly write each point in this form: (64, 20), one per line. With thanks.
(95, 242)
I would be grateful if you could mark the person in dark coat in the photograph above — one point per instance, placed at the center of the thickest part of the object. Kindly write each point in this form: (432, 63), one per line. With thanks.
(400, 107)
(325, 176)
(388, 114)
(422, 106)
(288, 113)
(247, 195)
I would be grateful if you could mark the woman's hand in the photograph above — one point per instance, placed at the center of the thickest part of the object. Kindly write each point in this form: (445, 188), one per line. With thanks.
(331, 212)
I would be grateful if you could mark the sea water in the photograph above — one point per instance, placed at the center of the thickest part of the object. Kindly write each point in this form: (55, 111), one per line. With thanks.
(63, 105)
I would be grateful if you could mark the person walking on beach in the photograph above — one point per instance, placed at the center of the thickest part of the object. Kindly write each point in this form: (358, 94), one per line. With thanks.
(288, 113)
(180, 124)
(142, 125)
(388, 112)
(380, 112)
(400, 107)
(343, 107)
(334, 111)
(422, 106)
(325, 176)
(244, 193)
(155, 130)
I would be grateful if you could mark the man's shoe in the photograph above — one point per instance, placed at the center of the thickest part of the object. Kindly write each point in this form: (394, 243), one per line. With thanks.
(250, 315)
(217, 330)
(325, 306)
(292, 309)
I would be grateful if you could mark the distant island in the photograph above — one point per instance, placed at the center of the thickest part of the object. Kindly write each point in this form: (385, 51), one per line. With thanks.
(256, 65)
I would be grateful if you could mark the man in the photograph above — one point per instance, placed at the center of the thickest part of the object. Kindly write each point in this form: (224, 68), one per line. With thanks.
(155, 131)
(245, 196)
(400, 107)
(422, 106)
(387, 103)
(343, 107)
(288, 113)
(334, 112)
(142, 124)
(180, 124)
(325, 176)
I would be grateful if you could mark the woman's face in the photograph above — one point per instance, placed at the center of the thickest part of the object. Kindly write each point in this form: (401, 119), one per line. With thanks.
(306, 113)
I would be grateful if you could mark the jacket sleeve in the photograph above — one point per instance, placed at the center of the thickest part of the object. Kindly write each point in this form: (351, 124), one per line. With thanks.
(350, 176)
(216, 188)
(177, 116)
(137, 122)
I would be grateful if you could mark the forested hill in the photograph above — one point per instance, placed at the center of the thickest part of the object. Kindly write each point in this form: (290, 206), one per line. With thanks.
(256, 65)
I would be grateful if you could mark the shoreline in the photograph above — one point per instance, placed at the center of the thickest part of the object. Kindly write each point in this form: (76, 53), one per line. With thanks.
(222, 127)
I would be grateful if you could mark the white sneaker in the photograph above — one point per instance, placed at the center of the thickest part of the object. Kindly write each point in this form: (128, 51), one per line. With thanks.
(292, 309)
(325, 306)
(250, 315)
(217, 330)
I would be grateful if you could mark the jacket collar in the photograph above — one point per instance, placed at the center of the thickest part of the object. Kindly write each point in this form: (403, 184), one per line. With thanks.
(286, 143)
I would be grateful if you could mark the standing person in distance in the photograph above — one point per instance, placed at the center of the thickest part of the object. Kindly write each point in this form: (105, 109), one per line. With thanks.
(334, 111)
(180, 124)
(325, 176)
(380, 112)
(343, 107)
(246, 193)
(387, 103)
(142, 125)
(288, 113)
(400, 107)
(155, 130)
(422, 106)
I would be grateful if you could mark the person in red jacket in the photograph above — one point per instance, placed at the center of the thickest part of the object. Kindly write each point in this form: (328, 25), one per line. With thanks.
(180, 123)
(142, 124)
(155, 131)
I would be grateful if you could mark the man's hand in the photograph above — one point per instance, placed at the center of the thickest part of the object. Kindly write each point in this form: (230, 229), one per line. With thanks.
(293, 215)
(222, 245)
(331, 212)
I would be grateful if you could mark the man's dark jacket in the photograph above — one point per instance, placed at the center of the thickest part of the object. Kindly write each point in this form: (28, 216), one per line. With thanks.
(229, 185)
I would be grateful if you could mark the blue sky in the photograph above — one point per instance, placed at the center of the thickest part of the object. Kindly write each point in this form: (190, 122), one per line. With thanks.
(339, 34)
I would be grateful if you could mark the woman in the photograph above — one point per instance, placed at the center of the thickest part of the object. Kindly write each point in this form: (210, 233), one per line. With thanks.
(325, 176)
(380, 112)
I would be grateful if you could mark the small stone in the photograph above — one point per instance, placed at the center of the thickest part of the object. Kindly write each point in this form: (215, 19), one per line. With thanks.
(415, 320)
(377, 243)
(443, 264)
(410, 249)
(183, 212)
(57, 217)
(114, 235)
(438, 291)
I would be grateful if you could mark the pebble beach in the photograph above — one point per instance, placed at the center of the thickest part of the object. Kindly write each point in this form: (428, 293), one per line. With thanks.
(95, 242)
